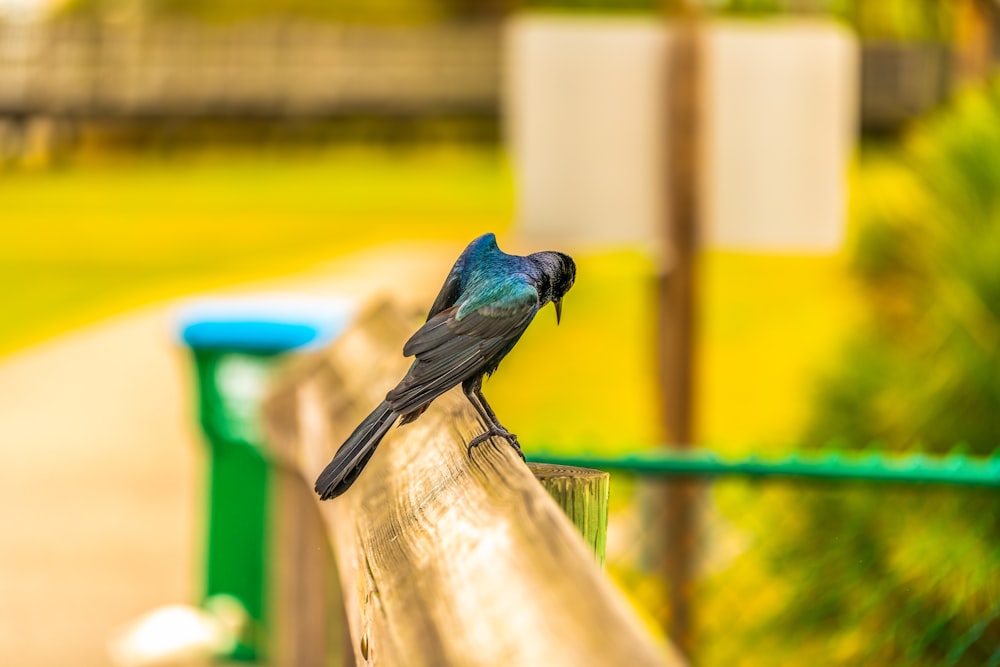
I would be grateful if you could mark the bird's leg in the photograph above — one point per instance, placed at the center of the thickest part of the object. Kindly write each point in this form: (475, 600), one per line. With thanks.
(492, 416)
(494, 428)
(510, 437)
(473, 391)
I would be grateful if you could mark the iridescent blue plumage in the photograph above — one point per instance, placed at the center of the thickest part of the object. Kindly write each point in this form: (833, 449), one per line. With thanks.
(486, 303)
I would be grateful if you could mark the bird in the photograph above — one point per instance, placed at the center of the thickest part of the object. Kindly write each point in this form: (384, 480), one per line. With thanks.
(486, 303)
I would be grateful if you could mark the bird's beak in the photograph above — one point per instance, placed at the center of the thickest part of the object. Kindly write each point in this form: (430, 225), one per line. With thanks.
(558, 305)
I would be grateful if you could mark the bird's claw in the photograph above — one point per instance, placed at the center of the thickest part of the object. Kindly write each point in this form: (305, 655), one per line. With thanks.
(506, 435)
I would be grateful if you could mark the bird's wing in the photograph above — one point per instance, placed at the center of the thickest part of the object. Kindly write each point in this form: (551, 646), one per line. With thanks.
(454, 284)
(450, 291)
(449, 350)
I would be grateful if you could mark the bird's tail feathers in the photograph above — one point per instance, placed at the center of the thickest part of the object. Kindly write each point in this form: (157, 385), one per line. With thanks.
(352, 456)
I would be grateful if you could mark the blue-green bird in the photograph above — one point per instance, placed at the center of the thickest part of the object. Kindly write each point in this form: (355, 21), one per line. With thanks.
(483, 308)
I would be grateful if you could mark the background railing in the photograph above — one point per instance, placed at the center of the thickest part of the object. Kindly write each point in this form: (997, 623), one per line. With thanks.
(160, 68)
(819, 557)
(265, 69)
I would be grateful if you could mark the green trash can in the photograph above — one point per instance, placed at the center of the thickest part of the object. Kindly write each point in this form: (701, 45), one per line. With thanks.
(236, 345)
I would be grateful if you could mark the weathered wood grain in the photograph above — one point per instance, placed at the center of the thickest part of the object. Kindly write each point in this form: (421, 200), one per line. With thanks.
(444, 558)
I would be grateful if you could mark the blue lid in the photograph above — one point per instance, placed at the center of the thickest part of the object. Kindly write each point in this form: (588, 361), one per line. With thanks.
(264, 323)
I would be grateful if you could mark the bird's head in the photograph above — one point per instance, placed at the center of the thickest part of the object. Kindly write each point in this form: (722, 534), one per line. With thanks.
(559, 271)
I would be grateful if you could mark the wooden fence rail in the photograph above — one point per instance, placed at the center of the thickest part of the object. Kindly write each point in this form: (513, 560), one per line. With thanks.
(443, 558)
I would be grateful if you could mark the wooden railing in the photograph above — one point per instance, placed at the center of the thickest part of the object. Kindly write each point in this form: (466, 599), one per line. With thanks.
(442, 558)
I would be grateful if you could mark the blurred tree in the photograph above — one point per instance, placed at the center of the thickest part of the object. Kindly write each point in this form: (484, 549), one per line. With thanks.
(927, 252)
(882, 575)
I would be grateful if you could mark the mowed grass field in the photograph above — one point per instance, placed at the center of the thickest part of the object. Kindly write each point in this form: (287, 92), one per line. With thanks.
(86, 241)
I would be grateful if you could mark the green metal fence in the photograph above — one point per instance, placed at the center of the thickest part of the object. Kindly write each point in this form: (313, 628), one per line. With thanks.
(832, 558)
(956, 469)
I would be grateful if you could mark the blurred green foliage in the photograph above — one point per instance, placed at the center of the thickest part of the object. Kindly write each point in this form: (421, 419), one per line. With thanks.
(882, 574)
(923, 372)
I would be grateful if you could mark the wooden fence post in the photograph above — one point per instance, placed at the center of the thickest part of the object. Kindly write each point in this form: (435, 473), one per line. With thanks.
(582, 493)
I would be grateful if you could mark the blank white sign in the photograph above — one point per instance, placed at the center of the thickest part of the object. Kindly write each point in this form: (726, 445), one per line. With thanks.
(586, 103)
